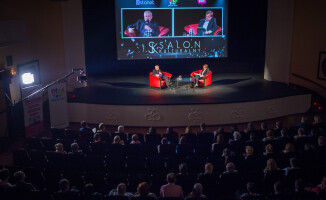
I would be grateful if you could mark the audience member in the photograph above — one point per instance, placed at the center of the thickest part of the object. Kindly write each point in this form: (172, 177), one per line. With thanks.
(269, 149)
(289, 148)
(184, 179)
(204, 136)
(64, 187)
(252, 193)
(21, 185)
(278, 128)
(171, 189)
(152, 130)
(84, 126)
(278, 193)
(121, 190)
(270, 166)
(226, 154)
(230, 168)
(143, 190)
(294, 164)
(105, 135)
(4, 180)
(134, 139)
(249, 151)
(197, 192)
(121, 133)
(171, 135)
(75, 149)
(164, 141)
(321, 186)
(220, 144)
(270, 136)
(59, 149)
(117, 140)
(188, 130)
(300, 134)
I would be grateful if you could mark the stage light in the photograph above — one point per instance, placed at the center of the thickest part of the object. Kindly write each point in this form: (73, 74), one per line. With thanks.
(74, 96)
(82, 77)
(28, 78)
(315, 104)
(320, 108)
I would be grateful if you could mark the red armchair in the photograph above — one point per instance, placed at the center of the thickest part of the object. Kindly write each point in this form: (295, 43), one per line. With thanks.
(158, 82)
(163, 31)
(205, 81)
(194, 26)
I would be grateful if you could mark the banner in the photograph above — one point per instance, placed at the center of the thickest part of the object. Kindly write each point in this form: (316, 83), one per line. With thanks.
(58, 106)
(33, 112)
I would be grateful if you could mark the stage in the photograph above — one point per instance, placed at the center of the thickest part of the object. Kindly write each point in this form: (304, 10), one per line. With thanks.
(232, 98)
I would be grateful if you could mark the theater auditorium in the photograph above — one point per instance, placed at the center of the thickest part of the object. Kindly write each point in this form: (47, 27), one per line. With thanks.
(162, 100)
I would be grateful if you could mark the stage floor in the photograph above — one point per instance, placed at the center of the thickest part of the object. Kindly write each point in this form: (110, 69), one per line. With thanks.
(225, 88)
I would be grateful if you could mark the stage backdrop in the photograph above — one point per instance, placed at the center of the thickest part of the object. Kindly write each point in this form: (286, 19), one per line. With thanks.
(244, 29)
(171, 29)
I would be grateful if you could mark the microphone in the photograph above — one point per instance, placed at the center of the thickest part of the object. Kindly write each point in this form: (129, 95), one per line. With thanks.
(147, 22)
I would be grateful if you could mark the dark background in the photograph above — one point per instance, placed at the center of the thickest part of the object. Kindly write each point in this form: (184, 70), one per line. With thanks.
(246, 43)
(161, 16)
(184, 17)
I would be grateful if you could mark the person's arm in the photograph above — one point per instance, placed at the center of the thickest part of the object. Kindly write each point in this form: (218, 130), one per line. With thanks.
(161, 192)
(155, 29)
(134, 27)
(206, 72)
(214, 26)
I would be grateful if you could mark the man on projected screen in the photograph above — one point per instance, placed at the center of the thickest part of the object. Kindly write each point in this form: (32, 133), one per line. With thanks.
(157, 72)
(145, 27)
(208, 25)
(201, 75)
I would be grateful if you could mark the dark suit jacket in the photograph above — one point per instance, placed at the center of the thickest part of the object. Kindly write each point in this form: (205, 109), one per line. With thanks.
(139, 27)
(205, 72)
(212, 26)
(155, 72)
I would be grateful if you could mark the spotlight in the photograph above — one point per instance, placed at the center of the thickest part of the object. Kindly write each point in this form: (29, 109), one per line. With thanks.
(315, 104)
(28, 78)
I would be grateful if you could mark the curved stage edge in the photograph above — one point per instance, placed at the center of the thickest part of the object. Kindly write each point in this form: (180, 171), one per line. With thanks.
(188, 115)
(230, 99)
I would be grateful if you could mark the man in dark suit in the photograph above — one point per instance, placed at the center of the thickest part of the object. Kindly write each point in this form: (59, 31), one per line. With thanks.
(157, 72)
(209, 24)
(145, 27)
(201, 75)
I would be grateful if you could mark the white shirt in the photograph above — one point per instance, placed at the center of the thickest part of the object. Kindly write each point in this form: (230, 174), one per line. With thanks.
(205, 26)
(202, 72)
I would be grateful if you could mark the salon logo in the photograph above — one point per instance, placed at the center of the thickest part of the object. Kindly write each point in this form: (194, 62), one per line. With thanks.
(173, 2)
(144, 2)
(201, 2)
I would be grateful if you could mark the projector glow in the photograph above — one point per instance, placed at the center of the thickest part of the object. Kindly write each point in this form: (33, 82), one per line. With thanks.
(28, 78)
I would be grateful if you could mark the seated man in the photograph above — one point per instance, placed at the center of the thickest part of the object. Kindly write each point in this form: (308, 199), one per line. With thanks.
(145, 27)
(201, 75)
(208, 25)
(157, 72)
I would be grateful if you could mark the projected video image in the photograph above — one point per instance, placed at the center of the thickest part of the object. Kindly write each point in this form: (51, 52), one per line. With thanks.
(197, 22)
(147, 23)
(148, 29)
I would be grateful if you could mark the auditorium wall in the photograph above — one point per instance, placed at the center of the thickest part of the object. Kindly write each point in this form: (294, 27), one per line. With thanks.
(309, 38)
(54, 36)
